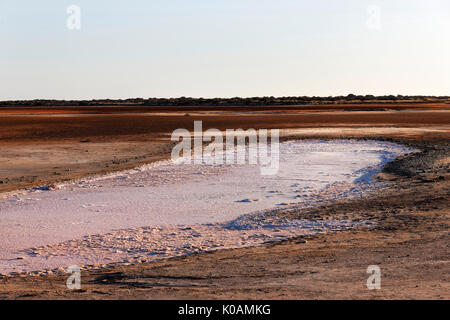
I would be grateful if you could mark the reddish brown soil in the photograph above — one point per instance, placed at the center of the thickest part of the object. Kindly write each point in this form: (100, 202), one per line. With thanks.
(409, 242)
(46, 145)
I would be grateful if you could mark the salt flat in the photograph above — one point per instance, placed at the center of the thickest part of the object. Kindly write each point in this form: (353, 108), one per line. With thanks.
(163, 209)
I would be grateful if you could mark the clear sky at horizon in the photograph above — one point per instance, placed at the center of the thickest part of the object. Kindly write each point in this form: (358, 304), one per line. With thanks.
(211, 48)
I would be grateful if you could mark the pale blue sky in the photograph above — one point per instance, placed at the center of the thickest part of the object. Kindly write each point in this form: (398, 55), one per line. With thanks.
(212, 48)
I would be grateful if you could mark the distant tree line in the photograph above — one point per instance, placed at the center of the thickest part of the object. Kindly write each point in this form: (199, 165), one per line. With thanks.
(237, 101)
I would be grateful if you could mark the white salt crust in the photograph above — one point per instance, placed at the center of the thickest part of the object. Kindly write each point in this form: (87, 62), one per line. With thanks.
(162, 210)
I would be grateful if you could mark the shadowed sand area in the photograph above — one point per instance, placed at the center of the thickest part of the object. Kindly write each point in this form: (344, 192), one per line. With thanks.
(408, 238)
